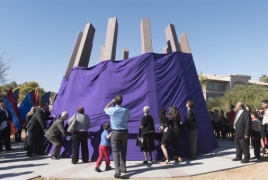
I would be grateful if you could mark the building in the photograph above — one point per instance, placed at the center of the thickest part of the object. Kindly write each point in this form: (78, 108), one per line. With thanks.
(218, 84)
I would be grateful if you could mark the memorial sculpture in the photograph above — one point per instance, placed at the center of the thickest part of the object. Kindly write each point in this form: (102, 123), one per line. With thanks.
(156, 80)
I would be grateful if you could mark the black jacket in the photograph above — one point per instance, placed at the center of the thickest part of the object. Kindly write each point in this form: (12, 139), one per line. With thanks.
(243, 125)
(191, 122)
(3, 116)
(37, 122)
(148, 124)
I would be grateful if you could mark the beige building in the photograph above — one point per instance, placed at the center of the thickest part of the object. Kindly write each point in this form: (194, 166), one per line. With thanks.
(218, 84)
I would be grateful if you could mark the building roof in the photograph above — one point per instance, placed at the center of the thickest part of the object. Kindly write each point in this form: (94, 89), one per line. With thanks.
(227, 78)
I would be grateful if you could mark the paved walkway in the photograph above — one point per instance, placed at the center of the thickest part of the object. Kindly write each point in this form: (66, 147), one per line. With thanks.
(15, 165)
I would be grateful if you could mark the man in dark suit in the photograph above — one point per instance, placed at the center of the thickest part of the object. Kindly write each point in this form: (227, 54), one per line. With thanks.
(36, 126)
(242, 126)
(192, 127)
(54, 134)
(6, 117)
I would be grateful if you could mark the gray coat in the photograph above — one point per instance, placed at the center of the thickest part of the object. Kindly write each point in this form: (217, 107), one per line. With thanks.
(56, 129)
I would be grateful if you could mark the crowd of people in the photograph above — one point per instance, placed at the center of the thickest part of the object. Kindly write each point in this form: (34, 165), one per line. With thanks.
(241, 124)
(246, 127)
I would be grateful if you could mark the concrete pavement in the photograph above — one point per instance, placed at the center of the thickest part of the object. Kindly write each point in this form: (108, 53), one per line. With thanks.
(16, 165)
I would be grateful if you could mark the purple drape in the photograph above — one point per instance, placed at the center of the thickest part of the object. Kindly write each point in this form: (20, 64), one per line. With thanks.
(157, 80)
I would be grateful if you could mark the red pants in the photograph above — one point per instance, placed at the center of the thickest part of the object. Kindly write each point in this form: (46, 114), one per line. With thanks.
(103, 152)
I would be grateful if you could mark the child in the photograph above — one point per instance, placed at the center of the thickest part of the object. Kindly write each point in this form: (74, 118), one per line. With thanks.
(104, 148)
(256, 135)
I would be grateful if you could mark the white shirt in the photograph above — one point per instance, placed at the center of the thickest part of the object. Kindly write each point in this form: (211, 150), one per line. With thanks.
(265, 117)
(237, 116)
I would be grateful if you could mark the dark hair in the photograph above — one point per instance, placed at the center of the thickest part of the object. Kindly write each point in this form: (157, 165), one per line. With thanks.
(42, 104)
(191, 104)
(255, 114)
(232, 106)
(106, 126)
(118, 99)
(221, 112)
(249, 108)
(80, 110)
(174, 113)
(264, 101)
(163, 117)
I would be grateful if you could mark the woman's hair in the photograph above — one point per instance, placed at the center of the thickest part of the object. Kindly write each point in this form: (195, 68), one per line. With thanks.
(80, 110)
(163, 117)
(146, 109)
(174, 113)
(31, 112)
(255, 114)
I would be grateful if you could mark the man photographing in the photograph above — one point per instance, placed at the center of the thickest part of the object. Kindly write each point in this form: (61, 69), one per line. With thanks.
(119, 116)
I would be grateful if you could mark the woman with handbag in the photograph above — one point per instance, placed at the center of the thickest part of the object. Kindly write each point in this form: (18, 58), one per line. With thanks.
(79, 124)
(167, 135)
(147, 132)
(176, 126)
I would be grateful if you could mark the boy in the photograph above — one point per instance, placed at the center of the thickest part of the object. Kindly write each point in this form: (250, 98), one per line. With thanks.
(104, 148)
(256, 135)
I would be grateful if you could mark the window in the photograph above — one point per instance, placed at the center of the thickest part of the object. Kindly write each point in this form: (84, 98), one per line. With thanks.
(210, 86)
(216, 86)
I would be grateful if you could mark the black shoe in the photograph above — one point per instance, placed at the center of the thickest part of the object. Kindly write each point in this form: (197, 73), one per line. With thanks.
(245, 161)
(55, 158)
(42, 154)
(116, 176)
(258, 160)
(163, 159)
(73, 162)
(9, 149)
(30, 155)
(237, 159)
(86, 161)
(253, 157)
(145, 162)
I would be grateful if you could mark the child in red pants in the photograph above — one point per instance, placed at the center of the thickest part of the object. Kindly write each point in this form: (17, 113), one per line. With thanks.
(104, 148)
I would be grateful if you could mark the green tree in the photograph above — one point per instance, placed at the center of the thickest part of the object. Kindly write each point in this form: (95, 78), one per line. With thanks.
(251, 95)
(26, 87)
(203, 81)
(264, 78)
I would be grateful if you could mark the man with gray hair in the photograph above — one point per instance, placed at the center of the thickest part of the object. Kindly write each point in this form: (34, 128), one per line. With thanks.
(54, 134)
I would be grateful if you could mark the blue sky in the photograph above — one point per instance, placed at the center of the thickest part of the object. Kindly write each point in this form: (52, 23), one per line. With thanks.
(226, 37)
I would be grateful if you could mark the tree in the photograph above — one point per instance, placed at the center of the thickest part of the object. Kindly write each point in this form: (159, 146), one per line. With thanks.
(4, 67)
(264, 78)
(203, 81)
(251, 95)
(26, 87)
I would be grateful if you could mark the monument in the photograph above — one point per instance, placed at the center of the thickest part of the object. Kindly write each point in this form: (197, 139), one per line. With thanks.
(156, 80)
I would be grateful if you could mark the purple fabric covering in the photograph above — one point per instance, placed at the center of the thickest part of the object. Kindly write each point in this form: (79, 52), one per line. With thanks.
(157, 80)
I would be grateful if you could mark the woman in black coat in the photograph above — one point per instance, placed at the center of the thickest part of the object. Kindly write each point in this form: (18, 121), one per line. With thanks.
(147, 131)
(175, 123)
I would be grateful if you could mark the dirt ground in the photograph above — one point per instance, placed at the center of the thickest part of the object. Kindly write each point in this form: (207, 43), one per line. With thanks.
(250, 172)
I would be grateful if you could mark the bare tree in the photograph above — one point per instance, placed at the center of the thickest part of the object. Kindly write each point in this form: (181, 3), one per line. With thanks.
(4, 67)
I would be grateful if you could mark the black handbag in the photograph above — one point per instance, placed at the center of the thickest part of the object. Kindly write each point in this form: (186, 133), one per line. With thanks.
(139, 141)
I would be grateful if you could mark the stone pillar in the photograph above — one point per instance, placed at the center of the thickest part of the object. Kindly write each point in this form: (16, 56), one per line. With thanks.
(102, 52)
(85, 47)
(111, 40)
(171, 36)
(125, 53)
(71, 62)
(146, 37)
(184, 44)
